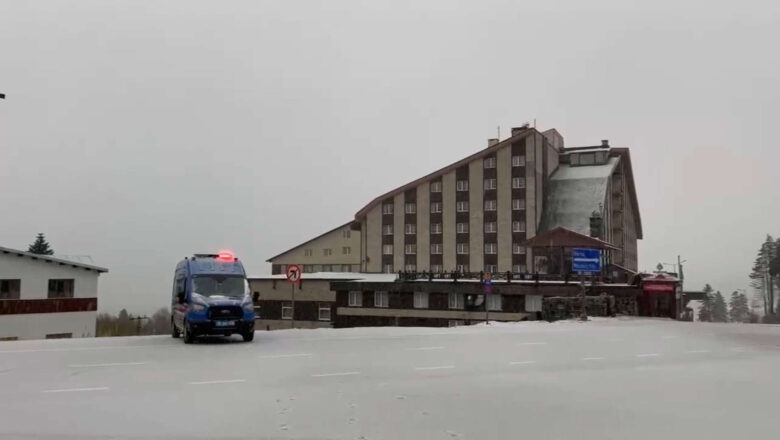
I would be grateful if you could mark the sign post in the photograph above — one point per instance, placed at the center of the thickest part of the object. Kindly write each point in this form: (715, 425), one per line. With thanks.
(293, 274)
(487, 289)
(587, 262)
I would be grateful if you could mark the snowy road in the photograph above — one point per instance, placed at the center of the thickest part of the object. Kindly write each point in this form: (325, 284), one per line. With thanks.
(607, 379)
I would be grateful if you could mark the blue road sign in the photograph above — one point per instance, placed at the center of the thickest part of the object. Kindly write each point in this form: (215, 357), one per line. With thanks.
(585, 260)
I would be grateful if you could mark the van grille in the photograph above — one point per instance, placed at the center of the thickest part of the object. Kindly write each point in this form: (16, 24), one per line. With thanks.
(225, 312)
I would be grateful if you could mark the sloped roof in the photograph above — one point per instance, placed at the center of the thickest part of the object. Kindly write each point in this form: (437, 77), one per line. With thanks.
(413, 184)
(270, 260)
(573, 193)
(52, 259)
(562, 237)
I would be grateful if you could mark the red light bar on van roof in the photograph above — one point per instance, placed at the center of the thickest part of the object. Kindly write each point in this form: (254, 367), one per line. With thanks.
(225, 256)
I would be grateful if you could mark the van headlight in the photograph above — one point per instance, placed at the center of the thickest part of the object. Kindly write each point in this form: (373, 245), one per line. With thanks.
(197, 307)
(248, 305)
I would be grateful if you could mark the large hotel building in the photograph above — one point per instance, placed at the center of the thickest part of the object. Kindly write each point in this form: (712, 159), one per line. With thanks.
(478, 213)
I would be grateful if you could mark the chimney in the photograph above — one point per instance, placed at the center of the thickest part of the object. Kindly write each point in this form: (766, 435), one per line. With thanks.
(492, 142)
(516, 130)
(605, 143)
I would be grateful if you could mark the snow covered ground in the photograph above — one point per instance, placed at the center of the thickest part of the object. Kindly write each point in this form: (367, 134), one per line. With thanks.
(602, 379)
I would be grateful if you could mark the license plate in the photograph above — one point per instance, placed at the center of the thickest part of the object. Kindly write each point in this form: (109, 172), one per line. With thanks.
(224, 323)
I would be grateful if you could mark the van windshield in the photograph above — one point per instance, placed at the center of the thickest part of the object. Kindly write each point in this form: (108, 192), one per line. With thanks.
(219, 285)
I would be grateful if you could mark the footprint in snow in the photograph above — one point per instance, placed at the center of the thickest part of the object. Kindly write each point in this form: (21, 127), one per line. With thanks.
(283, 427)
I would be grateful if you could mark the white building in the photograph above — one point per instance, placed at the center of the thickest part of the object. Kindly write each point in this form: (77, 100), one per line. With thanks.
(44, 296)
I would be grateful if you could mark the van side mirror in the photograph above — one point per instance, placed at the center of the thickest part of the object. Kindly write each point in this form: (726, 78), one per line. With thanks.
(180, 296)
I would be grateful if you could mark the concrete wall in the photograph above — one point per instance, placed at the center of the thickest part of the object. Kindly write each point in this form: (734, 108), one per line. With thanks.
(448, 220)
(423, 227)
(334, 240)
(38, 325)
(504, 202)
(35, 276)
(476, 221)
(309, 290)
(372, 228)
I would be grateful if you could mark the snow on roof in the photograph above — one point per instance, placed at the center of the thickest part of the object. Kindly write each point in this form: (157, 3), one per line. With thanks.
(336, 276)
(574, 193)
(61, 259)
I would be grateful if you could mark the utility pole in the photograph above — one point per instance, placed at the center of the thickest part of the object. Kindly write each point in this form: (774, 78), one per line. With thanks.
(137, 320)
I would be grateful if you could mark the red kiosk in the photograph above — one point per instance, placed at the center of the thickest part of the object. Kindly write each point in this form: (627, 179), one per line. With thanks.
(660, 296)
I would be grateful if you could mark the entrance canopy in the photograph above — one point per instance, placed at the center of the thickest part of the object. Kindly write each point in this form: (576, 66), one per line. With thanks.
(566, 238)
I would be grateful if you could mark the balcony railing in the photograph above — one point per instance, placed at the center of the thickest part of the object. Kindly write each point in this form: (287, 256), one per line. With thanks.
(502, 277)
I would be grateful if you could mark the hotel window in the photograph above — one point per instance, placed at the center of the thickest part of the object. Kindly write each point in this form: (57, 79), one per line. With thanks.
(490, 184)
(307, 268)
(387, 230)
(518, 268)
(381, 299)
(587, 159)
(420, 300)
(435, 187)
(346, 268)
(387, 249)
(518, 226)
(490, 162)
(410, 249)
(387, 268)
(355, 299)
(517, 249)
(61, 288)
(492, 268)
(461, 268)
(346, 233)
(410, 228)
(456, 300)
(518, 161)
(462, 206)
(462, 185)
(435, 207)
(436, 248)
(436, 268)
(324, 312)
(518, 204)
(410, 268)
(462, 228)
(9, 289)
(387, 208)
(308, 252)
(346, 250)
(410, 208)
(435, 228)
(494, 302)
(327, 252)
(490, 248)
(287, 310)
(490, 205)
(490, 227)
(327, 268)
(462, 248)
(518, 182)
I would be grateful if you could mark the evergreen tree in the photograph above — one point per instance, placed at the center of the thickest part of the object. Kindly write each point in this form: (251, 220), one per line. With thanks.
(705, 312)
(719, 310)
(738, 308)
(40, 246)
(768, 254)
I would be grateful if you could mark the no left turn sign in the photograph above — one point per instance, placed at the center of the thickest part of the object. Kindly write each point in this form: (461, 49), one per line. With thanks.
(293, 273)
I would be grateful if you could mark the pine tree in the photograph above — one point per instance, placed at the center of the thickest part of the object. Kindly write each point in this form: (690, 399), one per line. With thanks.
(705, 312)
(767, 254)
(40, 246)
(738, 308)
(719, 310)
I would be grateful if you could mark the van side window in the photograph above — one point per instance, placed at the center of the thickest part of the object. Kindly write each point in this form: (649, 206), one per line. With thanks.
(178, 287)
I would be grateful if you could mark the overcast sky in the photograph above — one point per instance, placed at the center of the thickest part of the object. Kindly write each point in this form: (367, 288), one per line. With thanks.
(139, 132)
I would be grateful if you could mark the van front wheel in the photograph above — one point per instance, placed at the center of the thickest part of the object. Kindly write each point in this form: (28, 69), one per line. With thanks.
(248, 336)
(174, 331)
(189, 338)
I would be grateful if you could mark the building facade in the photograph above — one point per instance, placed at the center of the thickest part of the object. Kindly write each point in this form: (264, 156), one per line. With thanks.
(43, 296)
(337, 250)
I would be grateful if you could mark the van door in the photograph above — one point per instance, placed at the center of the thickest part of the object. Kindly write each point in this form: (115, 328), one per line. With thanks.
(179, 309)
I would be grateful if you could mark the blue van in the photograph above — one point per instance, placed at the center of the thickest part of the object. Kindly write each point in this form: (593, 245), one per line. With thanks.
(211, 297)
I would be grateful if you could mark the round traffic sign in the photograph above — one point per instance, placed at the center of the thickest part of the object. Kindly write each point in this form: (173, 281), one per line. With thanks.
(293, 273)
